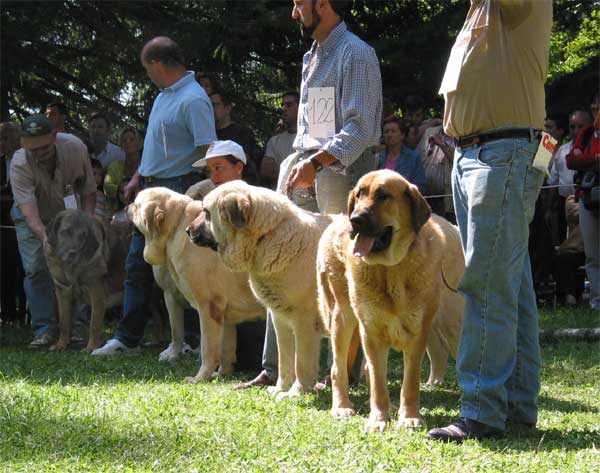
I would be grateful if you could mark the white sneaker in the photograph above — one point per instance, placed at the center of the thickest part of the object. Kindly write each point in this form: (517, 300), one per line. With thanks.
(115, 347)
(188, 349)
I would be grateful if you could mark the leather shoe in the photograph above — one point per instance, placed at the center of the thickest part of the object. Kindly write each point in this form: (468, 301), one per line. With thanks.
(463, 429)
(261, 380)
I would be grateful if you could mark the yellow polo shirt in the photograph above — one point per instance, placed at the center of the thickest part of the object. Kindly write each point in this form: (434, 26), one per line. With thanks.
(495, 75)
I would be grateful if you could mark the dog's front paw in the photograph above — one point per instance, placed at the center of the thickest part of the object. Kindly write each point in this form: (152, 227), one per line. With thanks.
(274, 390)
(376, 423)
(170, 354)
(340, 412)
(435, 381)
(409, 422)
(60, 345)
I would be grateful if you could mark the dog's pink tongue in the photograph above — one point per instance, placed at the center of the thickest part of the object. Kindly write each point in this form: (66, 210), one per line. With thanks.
(362, 245)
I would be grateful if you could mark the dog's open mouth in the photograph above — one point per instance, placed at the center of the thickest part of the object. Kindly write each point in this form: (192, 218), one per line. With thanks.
(365, 245)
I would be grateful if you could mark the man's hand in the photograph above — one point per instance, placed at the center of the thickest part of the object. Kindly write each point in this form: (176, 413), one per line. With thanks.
(269, 169)
(302, 175)
(131, 188)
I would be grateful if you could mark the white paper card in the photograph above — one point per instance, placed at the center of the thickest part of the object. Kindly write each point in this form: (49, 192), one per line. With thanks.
(544, 152)
(321, 112)
(70, 202)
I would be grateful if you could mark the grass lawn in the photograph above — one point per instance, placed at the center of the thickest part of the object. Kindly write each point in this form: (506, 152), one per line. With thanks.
(71, 412)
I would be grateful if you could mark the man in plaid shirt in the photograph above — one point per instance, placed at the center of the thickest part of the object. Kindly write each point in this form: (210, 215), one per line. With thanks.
(340, 105)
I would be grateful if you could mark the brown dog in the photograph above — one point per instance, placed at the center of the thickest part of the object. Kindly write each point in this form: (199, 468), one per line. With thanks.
(86, 259)
(384, 268)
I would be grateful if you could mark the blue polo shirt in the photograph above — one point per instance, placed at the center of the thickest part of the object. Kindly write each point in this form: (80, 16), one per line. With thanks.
(181, 120)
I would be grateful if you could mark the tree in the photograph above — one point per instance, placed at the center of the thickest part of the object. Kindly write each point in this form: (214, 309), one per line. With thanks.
(86, 53)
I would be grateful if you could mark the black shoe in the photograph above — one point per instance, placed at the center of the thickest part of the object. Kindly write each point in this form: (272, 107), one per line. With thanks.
(463, 429)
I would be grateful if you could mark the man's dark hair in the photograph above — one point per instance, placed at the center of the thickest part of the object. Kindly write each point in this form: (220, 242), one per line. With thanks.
(560, 119)
(587, 113)
(233, 160)
(398, 121)
(292, 93)
(96, 164)
(224, 97)
(341, 7)
(61, 107)
(414, 102)
(164, 50)
(101, 116)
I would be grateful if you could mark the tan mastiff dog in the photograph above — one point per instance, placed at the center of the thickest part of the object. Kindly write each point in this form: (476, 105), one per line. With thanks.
(221, 297)
(387, 268)
(259, 231)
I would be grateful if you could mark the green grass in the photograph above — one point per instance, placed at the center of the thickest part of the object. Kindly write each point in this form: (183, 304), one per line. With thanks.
(71, 412)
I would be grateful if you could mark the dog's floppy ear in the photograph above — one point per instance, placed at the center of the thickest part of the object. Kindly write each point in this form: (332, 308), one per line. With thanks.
(91, 243)
(420, 209)
(159, 218)
(235, 208)
(52, 230)
(351, 201)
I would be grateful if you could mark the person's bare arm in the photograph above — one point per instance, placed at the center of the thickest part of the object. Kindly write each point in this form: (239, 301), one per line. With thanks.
(88, 203)
(32, 217)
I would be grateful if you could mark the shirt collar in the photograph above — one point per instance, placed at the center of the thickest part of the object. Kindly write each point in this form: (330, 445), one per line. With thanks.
(334, 38)
(189, 76)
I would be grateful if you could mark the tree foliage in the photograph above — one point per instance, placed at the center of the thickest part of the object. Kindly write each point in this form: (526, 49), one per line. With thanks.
(86, 53)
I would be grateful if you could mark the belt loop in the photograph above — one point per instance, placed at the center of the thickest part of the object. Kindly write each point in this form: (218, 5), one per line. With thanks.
(531, 135)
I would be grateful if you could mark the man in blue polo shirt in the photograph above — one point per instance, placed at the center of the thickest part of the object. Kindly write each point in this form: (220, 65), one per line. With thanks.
(180, 128)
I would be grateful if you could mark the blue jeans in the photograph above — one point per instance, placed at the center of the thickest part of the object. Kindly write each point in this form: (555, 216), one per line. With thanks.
(498, 363)
(590, 231)
(139, 280)
(39, 289)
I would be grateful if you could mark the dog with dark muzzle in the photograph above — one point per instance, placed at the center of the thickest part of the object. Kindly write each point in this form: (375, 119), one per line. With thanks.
(389, 265)
(86, 259)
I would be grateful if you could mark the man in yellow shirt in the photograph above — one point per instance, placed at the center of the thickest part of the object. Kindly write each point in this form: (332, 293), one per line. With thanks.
(494, 90)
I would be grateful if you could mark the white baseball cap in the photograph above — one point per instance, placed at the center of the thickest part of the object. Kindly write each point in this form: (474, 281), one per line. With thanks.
(222, 148)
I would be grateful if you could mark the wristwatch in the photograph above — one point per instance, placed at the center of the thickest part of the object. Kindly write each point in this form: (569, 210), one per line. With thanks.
(316, 164)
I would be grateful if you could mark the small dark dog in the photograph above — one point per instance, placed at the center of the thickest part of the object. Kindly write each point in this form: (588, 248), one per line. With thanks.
(86, 258)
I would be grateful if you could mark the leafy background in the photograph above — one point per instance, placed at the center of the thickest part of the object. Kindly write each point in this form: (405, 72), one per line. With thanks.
(86, 53)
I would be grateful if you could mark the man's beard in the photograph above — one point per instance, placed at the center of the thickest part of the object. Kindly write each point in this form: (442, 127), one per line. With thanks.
(307, 31)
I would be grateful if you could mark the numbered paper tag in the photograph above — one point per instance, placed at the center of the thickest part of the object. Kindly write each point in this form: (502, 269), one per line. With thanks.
(544, 152)
(70, 202)
(321, 112)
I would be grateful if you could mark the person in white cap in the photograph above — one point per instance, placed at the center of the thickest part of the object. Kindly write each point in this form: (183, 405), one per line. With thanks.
(224, 161)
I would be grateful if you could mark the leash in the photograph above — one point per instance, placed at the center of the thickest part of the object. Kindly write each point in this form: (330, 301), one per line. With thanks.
(446, 282)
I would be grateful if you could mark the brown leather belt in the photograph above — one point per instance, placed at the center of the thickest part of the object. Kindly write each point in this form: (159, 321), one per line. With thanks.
(486, 136)
(150, 179)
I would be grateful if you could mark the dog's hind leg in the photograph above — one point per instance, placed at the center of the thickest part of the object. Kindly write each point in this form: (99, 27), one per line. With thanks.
(437, 351)
(286, 348)
(98, 303)
(211, 340)
(64, 299)
(227, 358)
(175, 309)
(307, 340)
(343, 327)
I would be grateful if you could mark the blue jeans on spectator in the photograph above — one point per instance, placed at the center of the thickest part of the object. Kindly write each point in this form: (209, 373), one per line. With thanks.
(590, 231)
(498, 364)
(39, 289)
(139, 280)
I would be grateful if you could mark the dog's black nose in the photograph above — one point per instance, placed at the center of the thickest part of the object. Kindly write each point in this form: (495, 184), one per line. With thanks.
(360, 222)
